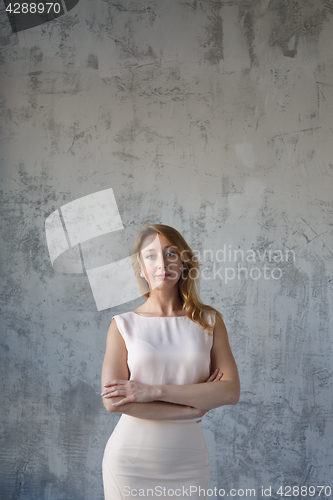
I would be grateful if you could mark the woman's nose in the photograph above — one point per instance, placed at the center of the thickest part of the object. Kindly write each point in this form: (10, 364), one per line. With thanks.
(161, 262)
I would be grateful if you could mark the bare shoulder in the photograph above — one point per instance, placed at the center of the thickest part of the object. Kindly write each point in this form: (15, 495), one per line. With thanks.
(220, 331)
(219, 319)
(114, 336)
(115, 359)
(113, 328)
(221, 354)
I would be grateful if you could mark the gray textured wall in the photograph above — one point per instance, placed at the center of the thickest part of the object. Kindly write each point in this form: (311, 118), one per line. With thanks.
(214, 117)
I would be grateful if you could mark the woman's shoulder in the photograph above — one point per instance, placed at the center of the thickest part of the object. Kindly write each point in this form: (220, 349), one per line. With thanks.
(123, 316)
(212, 317)
(211, 314)
(208, 315)
(124, 322)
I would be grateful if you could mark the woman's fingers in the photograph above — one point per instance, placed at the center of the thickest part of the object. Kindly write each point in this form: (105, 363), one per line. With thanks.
(110, 394)
(115, 388)
(115, 382)
(132, 390)
(217, 375)
(213, 375)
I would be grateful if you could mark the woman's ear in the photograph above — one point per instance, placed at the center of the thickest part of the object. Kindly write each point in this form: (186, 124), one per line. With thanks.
(142, 274)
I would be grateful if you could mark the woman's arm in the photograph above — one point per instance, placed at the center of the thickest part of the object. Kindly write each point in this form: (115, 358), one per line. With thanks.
(159, 411)
(115, 366)
(209, 396)
(203, 396)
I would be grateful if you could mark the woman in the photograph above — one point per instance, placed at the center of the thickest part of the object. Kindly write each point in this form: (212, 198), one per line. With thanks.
(159, 363)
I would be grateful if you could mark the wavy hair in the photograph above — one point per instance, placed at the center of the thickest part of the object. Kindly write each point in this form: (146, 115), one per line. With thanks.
(188, 285)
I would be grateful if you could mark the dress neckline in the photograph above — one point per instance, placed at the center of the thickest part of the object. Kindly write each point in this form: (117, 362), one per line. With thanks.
(140, 315)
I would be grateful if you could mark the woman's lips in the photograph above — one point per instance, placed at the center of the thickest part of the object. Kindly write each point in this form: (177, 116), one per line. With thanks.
(163, 275)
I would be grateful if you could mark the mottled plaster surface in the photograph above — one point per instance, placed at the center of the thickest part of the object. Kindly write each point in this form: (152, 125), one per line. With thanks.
(213, 117)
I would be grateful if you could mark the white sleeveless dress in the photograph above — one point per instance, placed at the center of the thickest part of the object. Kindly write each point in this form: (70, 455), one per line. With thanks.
(160, 458)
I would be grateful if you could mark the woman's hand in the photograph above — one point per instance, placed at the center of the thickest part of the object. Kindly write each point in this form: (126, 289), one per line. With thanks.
(215, 376)
(134, 392)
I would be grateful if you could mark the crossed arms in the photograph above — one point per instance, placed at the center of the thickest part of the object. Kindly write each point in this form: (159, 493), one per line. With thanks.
(168, 402)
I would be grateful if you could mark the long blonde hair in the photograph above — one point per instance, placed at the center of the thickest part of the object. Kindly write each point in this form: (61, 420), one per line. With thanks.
(188, 286)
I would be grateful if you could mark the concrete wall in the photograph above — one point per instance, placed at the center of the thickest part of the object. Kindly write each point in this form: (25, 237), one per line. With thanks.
(214, 117)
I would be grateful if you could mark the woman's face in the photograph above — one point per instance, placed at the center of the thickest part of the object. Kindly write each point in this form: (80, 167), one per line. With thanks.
(161, 263)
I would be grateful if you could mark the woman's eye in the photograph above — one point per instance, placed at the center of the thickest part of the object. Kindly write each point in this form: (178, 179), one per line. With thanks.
(153, 256)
